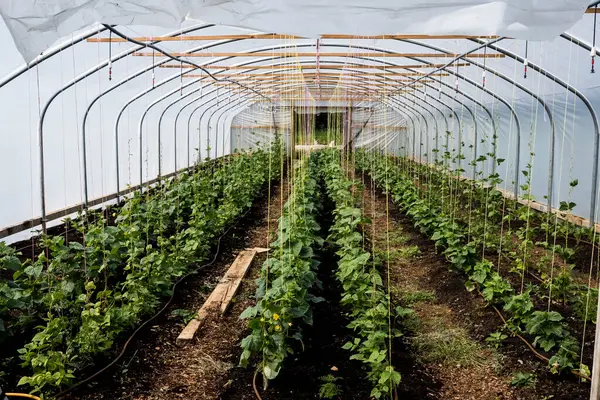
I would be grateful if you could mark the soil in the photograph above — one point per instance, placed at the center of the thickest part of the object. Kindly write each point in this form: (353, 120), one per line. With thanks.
(465, 310)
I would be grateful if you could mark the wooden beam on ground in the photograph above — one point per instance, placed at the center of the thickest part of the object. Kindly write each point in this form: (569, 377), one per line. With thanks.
(221, 296)
(314, 55)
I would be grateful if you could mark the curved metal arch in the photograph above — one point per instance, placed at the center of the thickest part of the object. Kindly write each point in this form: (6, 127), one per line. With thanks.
(591, 110)
(43, 57)
(418, 60)
(71, 83)
(207, 63)
(424, 100)
(187, 94)
(505, 78)
(280, 46)
(284, 46)
(139, 95)
(437, 128)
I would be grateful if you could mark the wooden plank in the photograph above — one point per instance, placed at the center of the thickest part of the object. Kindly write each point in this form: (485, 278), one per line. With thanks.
(277, 36)
(298, 67)
(330, 54)
(268, 75)
(262, 36)
(326, 83)
(221, 296)
(243, 261)
(394, 37)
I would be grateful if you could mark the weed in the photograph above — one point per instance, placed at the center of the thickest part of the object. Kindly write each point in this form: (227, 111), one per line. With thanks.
(495, 339)
(448, 346)
(185, 315)
(410, 298)
(408, 252)
(523, 379)
(329, 389)
(397, 238)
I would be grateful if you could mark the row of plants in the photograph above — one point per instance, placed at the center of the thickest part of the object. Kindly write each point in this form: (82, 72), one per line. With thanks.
(363, 291)
(78, 298)
(533, 243)
(434, 218)
(284, 299)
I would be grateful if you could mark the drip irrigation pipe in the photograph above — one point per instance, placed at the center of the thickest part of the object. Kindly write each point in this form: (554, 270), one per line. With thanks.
(173, 290)
(535, 352)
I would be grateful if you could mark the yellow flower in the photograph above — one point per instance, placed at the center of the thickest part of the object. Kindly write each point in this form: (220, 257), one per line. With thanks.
(277, 327)
(275, 317)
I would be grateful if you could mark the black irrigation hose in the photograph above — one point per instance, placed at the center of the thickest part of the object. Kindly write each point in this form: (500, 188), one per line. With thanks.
(113, 362)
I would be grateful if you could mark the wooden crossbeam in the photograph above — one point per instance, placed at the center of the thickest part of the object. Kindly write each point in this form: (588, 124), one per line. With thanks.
(273, 36)
(347, 73)
(306, 77)
(324, 54)
(300, 67)
(308, 99)
(311, 82)
(252, 126)
(379, 126)
(415, 36)
(196, 37)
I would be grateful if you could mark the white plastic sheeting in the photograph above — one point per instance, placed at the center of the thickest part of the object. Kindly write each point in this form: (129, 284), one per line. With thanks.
(19, 112)
(257, 125)
(36, 25)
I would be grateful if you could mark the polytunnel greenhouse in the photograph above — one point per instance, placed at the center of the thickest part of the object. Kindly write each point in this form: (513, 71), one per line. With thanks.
(296, 200)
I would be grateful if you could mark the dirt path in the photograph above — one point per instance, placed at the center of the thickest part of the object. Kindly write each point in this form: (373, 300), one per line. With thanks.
(155, 367)
(446, 337)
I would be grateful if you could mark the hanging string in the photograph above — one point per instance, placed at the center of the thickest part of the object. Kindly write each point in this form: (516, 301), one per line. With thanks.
(153, 74)
(593, 51)
(525, 63)
(180, 78)
(110, 56)
(484, 63)
(456, 84)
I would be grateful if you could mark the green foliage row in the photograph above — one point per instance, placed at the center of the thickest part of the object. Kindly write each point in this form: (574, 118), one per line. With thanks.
(81, 297)
(287, 277)
(495, 221)
(364, 294)
(548, 328)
